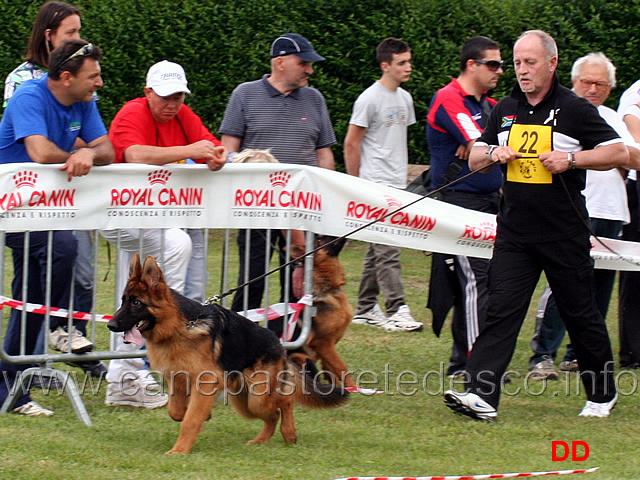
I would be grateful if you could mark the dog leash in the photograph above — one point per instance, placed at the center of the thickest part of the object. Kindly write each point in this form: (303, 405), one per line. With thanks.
(218, 298)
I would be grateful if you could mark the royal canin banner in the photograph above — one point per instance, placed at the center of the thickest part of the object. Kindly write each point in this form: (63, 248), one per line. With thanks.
(277, 196)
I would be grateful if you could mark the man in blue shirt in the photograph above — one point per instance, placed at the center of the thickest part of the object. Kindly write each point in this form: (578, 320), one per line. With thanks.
(457, 116)
(52, 120)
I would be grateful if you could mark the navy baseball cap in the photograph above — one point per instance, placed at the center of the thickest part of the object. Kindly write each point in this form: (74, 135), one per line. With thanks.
(293, 43)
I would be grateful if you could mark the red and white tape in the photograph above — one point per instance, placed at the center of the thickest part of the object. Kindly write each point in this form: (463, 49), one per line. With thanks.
(255, 315)
(479, 477)
(53, 311)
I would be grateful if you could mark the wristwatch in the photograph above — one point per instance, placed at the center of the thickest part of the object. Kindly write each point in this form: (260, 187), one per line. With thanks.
(490, 151)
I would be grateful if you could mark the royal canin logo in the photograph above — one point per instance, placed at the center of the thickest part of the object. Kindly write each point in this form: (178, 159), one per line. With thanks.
(159, 177)
(368, 213)
(152, 196)
(28, 179)
(392, 201)
(278, 196)
(485, 232)
(279, 179)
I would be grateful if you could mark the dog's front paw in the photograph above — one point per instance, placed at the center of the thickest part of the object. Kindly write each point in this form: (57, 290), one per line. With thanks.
(177, 451)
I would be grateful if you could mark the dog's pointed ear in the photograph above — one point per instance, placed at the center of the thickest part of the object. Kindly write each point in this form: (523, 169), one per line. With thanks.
(151, 271)
(135, 269)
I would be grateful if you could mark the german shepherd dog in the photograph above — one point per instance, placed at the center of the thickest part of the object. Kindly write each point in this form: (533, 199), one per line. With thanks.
(203, 349)
(333, 312)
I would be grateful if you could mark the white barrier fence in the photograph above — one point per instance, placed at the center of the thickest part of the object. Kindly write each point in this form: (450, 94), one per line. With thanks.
(38, 197)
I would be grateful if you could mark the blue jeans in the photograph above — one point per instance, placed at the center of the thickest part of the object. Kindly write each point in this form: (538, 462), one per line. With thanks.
(64, 250)
(83, 297)
(195, 286)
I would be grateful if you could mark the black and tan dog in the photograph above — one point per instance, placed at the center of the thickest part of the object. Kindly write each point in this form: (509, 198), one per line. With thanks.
(333, 312)
(203, 349)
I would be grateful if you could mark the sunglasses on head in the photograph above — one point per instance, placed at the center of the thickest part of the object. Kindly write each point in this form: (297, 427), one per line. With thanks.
(81, 52)
(492, 65)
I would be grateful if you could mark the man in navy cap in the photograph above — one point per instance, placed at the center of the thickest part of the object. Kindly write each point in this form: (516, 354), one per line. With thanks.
(281, 113)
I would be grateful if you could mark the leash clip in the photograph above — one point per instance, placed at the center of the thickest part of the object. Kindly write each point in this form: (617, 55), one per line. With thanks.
(212, 299)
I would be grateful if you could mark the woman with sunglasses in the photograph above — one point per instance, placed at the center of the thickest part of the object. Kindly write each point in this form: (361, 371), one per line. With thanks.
(55, 22)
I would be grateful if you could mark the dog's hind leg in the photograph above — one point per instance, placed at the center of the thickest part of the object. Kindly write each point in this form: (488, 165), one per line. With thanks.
(266, 401)
(287, 425)
(270, 424)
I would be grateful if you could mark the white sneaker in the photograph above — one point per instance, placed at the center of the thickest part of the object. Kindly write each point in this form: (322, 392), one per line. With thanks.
(593, 409)
(32, 409)
(150, 381)
(59, 340)
(134, 394)
(374, 317)
(402, 321)
(470, 404)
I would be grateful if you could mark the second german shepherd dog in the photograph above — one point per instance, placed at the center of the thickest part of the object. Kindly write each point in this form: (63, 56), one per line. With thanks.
(333, 312)
(203, 349)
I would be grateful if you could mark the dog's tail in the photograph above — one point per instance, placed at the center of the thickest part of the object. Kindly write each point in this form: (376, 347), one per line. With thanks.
(312, 393)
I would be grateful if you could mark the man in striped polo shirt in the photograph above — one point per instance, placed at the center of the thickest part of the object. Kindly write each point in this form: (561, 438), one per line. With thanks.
(281, 113)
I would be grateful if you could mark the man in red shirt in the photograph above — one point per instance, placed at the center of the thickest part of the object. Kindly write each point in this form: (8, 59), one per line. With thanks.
(158, 129)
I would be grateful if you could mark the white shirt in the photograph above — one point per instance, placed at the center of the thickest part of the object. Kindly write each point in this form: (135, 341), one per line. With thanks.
(605, 191)
(383, 151)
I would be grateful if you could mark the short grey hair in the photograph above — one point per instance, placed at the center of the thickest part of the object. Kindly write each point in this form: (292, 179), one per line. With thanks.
(548, 43)
(597, 58)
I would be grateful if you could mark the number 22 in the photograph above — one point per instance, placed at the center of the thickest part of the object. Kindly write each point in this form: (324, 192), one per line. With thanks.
(531, 137)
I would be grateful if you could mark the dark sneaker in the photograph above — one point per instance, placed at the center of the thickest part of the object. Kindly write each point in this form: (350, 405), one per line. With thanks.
(571, 366)
(544, 370)
(471, 405)
(93, 368)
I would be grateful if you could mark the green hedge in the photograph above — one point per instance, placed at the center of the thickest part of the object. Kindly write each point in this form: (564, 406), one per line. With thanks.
(222, 43)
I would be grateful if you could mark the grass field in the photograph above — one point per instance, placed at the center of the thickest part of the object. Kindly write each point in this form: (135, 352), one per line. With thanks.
(407, 431)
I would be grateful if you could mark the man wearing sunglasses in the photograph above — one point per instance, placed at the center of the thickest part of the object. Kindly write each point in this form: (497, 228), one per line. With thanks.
(456, 118)
(41, 124)
(544, 137)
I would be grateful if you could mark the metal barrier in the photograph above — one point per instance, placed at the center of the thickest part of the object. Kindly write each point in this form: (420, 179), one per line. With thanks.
(43, 360)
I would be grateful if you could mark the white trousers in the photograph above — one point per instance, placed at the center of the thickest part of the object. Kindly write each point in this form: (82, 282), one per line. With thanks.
(172, 249)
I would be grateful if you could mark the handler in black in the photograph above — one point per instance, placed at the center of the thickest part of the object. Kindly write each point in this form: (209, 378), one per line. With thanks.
(543, 136)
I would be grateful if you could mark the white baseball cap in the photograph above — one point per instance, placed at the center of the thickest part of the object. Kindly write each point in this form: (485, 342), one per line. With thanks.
(167, 78)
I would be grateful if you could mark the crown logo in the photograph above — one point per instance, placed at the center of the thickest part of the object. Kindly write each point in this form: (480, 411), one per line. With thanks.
(159, 176)
(279, 179)
(25, 178)
(488, 226)
(392, 201)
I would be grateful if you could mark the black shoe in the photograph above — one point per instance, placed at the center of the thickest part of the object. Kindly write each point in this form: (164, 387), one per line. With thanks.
(633, 366)
(94, 368)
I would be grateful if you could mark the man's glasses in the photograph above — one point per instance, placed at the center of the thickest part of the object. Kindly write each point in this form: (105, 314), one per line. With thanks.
(493, 65)
(81, 52)
(586, 84)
